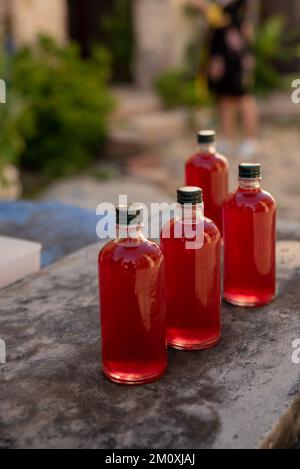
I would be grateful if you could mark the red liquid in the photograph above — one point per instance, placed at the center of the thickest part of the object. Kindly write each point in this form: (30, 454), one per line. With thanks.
(193, 290)
(249, 248)
(210, 172)
(133, 314)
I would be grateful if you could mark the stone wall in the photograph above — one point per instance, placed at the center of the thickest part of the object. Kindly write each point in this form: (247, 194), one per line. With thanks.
(3, 15)
(31, 17)
(163, 32)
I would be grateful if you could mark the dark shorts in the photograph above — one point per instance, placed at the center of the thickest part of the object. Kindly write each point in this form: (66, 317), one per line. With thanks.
(236, 78)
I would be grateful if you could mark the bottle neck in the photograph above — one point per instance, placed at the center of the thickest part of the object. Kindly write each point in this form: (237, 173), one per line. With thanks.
(249, 184)
(207, 148)
(128, 232)
(187, 213)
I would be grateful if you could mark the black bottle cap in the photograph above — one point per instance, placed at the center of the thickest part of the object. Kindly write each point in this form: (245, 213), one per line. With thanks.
(249, 171)
(189, 195)
(129, 214)
(206, 136)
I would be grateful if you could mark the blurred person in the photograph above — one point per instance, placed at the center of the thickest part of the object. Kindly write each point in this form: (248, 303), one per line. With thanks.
(231, 70)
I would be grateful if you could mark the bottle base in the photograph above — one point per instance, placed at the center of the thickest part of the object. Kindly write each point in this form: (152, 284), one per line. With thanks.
(187, 346)
(248, 301)
(133, 379)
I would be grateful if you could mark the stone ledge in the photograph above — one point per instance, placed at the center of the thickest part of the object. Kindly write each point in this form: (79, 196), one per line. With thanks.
(52, 392)
(288, 230)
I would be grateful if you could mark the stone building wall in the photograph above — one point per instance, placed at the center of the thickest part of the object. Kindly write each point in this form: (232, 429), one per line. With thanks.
(162, 33)
(30, 17)
(3, 16)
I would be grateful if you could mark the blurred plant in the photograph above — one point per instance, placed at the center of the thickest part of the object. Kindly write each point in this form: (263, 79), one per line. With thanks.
(13, 127)
(177, 88)
(270, 48)
(12, 123)
(119, 38)
(62, 120)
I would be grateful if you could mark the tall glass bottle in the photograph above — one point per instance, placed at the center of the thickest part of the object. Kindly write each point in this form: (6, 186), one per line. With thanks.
(209, 170)
(132, 298)
(249, 241)
(191, 245)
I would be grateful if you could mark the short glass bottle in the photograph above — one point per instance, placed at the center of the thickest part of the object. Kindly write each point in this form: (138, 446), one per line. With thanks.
(209, 170)
(191, 245)
(132, 299)
(249, 241)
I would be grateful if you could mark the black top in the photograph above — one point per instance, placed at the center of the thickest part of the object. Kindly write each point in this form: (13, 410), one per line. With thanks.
(189, 195)
(237, 11)
(250, 171)
(206, 136)
(126, 214)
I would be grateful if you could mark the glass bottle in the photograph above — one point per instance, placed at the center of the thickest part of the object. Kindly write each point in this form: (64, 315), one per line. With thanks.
(191, 245)
(132, 298)
(209, 170)
(249, 241)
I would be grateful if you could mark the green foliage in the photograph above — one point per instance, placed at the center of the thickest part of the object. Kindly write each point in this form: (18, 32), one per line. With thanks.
(269, 49)
(57, 120)
(11, 120)
(13, 127)
(119, 38)
(176, 88)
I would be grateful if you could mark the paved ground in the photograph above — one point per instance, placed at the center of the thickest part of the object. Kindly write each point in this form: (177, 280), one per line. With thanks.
(154, 173)
(278, 151)
(87, 192)
(148, 148)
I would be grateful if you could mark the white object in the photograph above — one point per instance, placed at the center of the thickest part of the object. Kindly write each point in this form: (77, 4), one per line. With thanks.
(18, 259)
(248, 149)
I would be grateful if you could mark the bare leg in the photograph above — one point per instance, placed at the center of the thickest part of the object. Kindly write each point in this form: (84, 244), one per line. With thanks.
(249, 111)
(228, 107)
(249, 114)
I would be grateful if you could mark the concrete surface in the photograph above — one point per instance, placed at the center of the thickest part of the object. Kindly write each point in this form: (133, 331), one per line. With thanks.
(52, 392)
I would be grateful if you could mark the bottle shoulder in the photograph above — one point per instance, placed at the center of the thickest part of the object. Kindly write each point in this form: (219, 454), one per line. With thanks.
(211, 231)
(208, 161)
(259, 200)
(130, 250)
